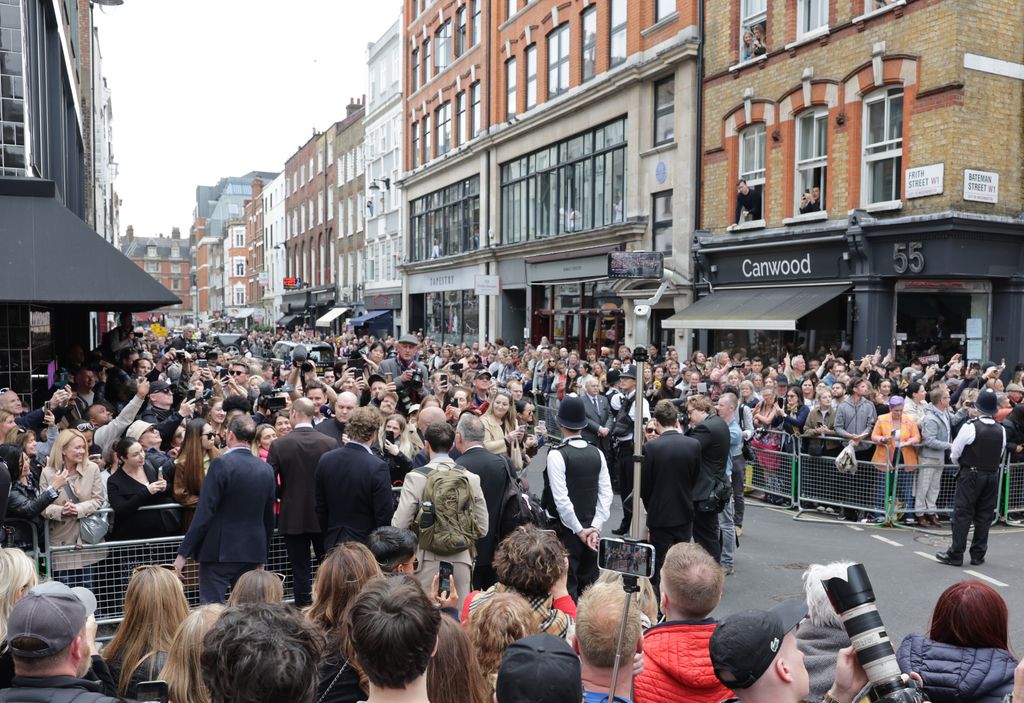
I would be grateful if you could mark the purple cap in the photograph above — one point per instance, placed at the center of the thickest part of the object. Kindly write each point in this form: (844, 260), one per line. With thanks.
(896, 401)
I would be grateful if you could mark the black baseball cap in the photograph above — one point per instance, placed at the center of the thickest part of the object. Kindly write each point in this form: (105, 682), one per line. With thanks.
(744, 645)
(539, 669)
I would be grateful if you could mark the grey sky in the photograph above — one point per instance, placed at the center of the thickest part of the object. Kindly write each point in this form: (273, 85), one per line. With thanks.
(210, 88)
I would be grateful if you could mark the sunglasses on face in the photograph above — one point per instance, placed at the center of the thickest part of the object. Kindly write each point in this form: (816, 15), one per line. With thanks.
(236, 372)
(210, 435)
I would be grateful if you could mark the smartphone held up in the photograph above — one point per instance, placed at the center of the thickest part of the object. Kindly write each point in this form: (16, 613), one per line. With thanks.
(626, 557)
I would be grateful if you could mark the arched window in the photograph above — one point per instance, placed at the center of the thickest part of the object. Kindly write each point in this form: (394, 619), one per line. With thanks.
(882, 166)
(811, 160)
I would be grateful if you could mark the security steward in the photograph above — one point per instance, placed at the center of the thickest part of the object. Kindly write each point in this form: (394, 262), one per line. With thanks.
(978, 449)
(622, 440)
(577, 495)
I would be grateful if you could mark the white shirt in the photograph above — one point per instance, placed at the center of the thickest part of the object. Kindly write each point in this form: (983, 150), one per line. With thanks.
(560, 492)
(966, 436)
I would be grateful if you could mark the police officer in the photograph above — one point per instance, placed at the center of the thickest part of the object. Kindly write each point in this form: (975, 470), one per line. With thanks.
(622, 439)
(614, 396)
(978, 449)
(577, 495)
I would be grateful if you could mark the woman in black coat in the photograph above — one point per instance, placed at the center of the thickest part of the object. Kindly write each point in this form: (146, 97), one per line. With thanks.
(26, 502)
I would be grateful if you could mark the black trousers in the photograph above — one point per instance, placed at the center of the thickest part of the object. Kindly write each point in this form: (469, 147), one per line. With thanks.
(662, 539)
(216, 577)
(582, 562)
(706, 533)
(974, 502)
(624, 461)
(739, 474)
(298, 547)
(484, 576)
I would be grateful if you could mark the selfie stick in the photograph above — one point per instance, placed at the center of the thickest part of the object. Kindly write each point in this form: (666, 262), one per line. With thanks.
(630, 585)
(641, 336)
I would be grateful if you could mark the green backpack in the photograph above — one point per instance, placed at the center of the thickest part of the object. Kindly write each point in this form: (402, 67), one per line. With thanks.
(445, 522)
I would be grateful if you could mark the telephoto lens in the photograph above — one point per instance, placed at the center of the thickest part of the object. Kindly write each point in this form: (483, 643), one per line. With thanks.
(854, 601)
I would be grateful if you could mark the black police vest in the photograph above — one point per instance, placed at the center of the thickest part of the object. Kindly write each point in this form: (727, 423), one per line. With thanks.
(623, 422)
(582, 473)
(985, 452)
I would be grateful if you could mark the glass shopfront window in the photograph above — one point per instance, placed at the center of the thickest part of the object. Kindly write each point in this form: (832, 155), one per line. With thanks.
(578, 316)
(820, 331)
(452, 316)
(576, 185)
(944, 318)
(446, 222)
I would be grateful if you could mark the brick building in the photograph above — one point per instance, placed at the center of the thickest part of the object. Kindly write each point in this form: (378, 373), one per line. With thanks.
(255, 272)
(169, 261)
(345, 140)
(881, 146)
(541, 136)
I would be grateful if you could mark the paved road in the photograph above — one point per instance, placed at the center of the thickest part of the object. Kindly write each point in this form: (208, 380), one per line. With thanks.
(775, 549)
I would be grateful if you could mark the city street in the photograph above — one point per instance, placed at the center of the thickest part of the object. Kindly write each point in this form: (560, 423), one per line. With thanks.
(776, 549)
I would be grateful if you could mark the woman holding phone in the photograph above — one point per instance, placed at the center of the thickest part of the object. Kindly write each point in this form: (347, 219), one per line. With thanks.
(82, 495)
(392, 446)
(502, 432)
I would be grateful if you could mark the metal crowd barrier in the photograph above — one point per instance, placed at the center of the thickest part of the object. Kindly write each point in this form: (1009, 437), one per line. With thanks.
(1012, 495)
(775, 467)
(863, 490)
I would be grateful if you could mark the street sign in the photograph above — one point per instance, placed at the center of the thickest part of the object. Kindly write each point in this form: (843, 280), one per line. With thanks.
(636, 264)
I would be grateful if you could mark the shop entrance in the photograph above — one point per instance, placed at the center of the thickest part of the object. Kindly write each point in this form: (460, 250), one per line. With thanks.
(943, 317)
(578, 316)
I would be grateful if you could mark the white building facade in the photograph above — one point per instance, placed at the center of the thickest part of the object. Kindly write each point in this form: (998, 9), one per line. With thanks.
(382, 293)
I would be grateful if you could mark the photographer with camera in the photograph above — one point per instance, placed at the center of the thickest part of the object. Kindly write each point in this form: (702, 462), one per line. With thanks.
(408, 374)
(755, 654)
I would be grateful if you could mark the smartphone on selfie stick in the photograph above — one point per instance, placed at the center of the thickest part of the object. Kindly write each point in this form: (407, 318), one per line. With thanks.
(634, 560)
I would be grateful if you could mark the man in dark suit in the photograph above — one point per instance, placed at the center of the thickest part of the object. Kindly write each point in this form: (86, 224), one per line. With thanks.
(353, 485)
(334, 427)
(294, 458)
(599, 414)
(234, 521)
(671, 467)
(494, 477)
(713, 435)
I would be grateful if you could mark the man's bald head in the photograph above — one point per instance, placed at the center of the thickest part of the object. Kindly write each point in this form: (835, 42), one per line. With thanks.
(344, 404)
(303, 410)
(428, 416)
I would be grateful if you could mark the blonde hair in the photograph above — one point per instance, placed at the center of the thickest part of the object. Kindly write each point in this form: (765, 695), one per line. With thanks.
(65, 438)
(257, 587)
(182, 672)
(645, 599)
(598, 618)
(497, 623)
(154, 608)
(509, 423)
(17, 577)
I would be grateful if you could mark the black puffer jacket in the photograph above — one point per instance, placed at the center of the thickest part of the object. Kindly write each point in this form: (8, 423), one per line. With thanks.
(25, 505)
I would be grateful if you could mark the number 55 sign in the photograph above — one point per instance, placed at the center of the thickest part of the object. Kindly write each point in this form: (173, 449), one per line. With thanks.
(907, 256)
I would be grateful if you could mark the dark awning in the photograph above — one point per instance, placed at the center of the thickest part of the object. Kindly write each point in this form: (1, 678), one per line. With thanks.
(287, 320)
(768, 308)
(51, 257)
(363, 319)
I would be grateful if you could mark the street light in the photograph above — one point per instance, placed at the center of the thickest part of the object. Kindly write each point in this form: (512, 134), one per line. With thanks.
(376, 188)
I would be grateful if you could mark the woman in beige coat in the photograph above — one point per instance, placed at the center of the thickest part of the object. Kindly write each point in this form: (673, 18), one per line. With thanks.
(68, 459)
(502, 434)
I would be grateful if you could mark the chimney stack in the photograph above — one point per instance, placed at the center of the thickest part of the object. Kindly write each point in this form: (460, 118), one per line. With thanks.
(353, 107)
(175, 233)
(130, 233)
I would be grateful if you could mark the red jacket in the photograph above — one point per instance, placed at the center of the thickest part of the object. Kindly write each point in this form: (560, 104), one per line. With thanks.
(677, 665)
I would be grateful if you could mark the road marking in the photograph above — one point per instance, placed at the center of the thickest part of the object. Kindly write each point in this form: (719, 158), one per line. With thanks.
(887, 540)
(983, 577)
(855, 528)
(926, 555)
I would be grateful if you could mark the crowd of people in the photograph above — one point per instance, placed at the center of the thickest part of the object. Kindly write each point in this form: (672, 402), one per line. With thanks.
(420, 565)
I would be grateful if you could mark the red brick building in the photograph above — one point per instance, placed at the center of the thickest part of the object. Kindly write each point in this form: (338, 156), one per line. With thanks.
(168, 260)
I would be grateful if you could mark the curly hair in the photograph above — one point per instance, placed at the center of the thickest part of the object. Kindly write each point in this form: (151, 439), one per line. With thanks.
(530, 561)
(497, 623)
(261, 652)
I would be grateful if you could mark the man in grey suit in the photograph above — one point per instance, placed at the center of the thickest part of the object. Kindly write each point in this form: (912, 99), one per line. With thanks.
(599, 415)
